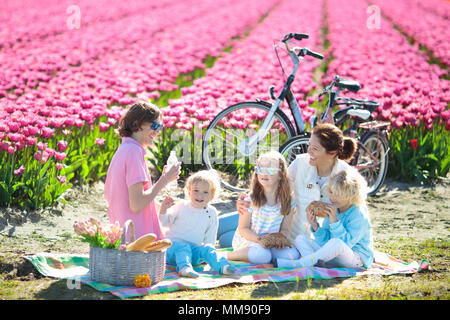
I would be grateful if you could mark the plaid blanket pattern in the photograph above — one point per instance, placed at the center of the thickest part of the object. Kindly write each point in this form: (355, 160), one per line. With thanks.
(76, 267)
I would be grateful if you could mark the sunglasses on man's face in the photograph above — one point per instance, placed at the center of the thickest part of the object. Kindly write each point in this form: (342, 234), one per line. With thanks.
(266, 170)
(157, 126)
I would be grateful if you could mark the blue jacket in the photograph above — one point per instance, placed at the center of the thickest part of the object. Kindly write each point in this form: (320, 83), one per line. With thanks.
(353, 228)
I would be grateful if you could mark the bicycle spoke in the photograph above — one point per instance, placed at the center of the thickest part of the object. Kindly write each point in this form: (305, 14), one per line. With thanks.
(227, 145)
(371, 161)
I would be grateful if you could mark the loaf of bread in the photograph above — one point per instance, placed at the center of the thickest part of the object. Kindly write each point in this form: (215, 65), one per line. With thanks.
(274, 240)
(318, 208)
(158, 245)
(142, 242)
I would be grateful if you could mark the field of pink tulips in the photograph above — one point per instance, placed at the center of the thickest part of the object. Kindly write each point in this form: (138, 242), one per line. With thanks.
(412, 94)
(68, 71)
(424, 25)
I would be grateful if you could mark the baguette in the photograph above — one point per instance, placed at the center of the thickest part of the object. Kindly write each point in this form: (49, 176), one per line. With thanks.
(142, 242)
(158, 245)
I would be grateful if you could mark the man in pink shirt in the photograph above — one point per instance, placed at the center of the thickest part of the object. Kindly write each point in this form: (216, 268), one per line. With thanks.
(128, 189)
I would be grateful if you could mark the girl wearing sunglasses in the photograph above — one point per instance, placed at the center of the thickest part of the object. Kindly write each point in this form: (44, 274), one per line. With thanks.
(270, 211)
(128, 188)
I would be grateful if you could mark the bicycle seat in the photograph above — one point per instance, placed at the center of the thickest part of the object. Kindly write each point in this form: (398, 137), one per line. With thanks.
(352, 111)
(350, 85)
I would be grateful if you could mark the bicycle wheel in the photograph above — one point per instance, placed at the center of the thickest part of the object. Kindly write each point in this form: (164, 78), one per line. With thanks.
(226, 143)
(293, 147)
(372, 160)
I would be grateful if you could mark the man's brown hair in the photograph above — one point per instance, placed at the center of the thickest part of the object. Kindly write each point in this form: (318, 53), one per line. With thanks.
(137, 114)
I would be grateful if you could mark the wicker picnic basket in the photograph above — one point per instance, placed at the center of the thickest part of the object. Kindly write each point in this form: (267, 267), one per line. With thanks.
(119, 267)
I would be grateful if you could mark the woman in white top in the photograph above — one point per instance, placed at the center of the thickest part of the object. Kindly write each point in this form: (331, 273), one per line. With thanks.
(327, 154)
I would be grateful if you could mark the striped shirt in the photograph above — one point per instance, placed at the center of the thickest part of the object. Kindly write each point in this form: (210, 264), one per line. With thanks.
(266, 219)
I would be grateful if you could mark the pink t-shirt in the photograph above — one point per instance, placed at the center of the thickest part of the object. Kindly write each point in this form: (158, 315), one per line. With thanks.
(128, 167)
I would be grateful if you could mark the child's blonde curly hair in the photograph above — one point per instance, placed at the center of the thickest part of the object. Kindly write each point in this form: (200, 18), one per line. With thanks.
(348, 185)
(208, 176)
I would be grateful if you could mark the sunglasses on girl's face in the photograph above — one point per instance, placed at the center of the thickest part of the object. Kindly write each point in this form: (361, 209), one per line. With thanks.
(266, 170)
(157, 126)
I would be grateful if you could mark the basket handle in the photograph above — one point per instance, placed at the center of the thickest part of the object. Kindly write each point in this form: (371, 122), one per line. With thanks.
(128, 225)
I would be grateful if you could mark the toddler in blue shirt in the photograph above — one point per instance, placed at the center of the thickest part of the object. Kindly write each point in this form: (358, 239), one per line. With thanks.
(345, 237)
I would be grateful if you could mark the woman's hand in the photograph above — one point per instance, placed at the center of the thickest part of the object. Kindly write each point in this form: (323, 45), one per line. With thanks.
(173, 173)
(312, 219)
(166, 204)
(241, 204)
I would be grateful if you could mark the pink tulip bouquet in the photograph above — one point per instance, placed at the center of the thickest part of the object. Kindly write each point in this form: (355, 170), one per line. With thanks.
(97, 235)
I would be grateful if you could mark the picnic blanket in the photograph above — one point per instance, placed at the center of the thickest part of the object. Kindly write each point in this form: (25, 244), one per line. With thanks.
(76, 268)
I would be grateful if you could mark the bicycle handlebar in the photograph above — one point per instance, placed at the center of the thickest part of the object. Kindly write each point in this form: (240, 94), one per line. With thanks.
(296, 36)
(313, 54)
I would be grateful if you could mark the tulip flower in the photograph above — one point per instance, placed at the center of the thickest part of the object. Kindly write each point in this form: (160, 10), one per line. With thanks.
(19, 171)
(97, 234)
(103, 126)
(60, 156)
(62, 179)
(62, 145)
(47, 132)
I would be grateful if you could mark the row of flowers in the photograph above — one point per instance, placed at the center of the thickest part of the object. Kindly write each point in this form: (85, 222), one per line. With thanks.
(413, 97)
(438, 7)
(75, 98)
(246, 72)
(64, 128)
(39, 19)
(81, 106)
(28, 65)
(424, 26)
(390, 69)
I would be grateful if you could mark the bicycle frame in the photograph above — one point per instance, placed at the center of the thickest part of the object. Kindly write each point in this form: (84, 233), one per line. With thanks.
(374, 159)
(382, 133)
(286, 94)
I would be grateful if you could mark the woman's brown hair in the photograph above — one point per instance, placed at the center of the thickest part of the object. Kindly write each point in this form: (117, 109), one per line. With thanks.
(332, 139)
(137, 114)
(284, 191)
